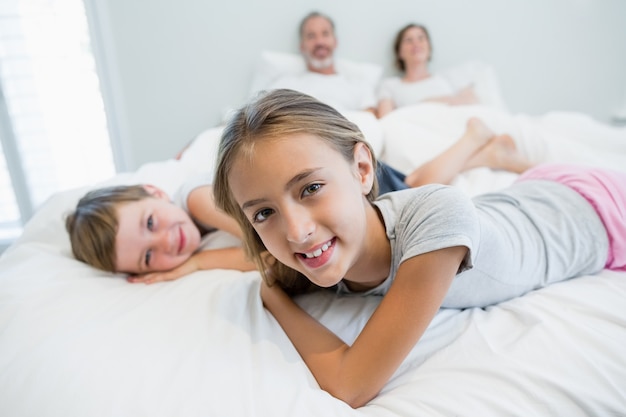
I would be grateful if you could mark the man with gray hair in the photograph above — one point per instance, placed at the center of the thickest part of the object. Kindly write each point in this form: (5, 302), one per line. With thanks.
(321, 79)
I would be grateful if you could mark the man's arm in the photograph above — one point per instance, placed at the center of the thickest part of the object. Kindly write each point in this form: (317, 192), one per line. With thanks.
(372, 110)
(385, 106)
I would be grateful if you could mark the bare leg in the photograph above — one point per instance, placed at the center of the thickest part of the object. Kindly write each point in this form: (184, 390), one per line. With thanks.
(500, 153)
(447, 165)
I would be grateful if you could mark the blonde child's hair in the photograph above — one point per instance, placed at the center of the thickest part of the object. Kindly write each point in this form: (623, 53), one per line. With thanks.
(93, 225)
(275, 114)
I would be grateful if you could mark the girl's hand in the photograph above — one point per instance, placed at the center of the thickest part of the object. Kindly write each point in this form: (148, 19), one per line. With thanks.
(189, 266)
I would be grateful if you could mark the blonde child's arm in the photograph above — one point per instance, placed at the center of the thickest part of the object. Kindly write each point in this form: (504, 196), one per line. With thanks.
(202, 208)
(357, 373)
(225, 258)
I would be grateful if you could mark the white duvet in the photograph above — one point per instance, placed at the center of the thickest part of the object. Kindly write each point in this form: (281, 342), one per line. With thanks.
(413, 135)
(78, 342)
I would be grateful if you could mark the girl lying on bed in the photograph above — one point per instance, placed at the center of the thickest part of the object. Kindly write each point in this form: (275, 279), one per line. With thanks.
(299, 179)
(138, 230)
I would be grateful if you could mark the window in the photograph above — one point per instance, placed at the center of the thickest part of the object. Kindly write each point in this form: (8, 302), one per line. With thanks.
(53, 126)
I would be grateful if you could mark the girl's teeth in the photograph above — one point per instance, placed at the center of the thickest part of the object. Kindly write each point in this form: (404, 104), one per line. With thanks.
(318, 252)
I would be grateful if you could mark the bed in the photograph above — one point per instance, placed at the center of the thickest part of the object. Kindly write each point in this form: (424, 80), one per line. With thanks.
(75, 341)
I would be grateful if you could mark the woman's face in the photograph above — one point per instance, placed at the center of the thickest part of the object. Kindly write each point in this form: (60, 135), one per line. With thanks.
(414, 47)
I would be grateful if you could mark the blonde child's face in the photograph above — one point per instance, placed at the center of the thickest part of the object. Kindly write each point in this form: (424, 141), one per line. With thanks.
(307, 203)
(153, 235)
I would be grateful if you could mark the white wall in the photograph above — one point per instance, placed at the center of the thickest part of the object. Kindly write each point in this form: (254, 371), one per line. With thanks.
(175, 66)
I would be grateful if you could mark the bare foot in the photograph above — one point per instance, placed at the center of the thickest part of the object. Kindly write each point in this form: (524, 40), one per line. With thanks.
(500, 153)
(478, 133)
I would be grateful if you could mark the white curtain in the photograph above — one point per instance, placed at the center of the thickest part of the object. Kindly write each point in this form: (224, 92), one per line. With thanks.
(54, 131)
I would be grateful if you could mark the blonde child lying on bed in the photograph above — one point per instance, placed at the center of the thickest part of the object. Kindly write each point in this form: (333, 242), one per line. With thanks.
(137, 229)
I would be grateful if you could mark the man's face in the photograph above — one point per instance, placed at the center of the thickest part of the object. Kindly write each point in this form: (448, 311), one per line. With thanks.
(318, 43)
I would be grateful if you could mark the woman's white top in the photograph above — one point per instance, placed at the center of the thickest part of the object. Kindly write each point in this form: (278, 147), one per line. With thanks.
(407, 93)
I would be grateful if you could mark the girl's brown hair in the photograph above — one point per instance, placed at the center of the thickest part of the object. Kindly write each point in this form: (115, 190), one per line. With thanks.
(276, 114)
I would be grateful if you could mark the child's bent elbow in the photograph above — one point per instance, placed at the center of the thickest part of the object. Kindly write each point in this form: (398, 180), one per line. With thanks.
(354, 397)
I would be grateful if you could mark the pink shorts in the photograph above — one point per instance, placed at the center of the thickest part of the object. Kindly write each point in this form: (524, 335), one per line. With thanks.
(605, 190)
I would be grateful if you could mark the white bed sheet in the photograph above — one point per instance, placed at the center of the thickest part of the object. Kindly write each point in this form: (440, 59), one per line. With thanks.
(414, 134)
(78, 342)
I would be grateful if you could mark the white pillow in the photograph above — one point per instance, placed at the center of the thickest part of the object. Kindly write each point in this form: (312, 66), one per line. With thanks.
(371, 128)
(201, 154)
(272, 65)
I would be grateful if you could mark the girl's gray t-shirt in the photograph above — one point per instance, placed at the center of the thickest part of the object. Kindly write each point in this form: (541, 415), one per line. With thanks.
(519, 239)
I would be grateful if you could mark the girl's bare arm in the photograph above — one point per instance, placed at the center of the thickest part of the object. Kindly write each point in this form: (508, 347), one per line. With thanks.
(355, 374)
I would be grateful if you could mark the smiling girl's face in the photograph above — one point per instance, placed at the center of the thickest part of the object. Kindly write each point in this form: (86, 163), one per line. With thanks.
(307, 203)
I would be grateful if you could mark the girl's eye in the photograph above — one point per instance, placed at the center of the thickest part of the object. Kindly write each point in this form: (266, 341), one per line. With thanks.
(150, 223)
(311, 189)
(262, 215)
(148, 256)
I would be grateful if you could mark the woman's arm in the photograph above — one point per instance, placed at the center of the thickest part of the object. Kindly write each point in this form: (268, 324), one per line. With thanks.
(355, 374)
(462, 97)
